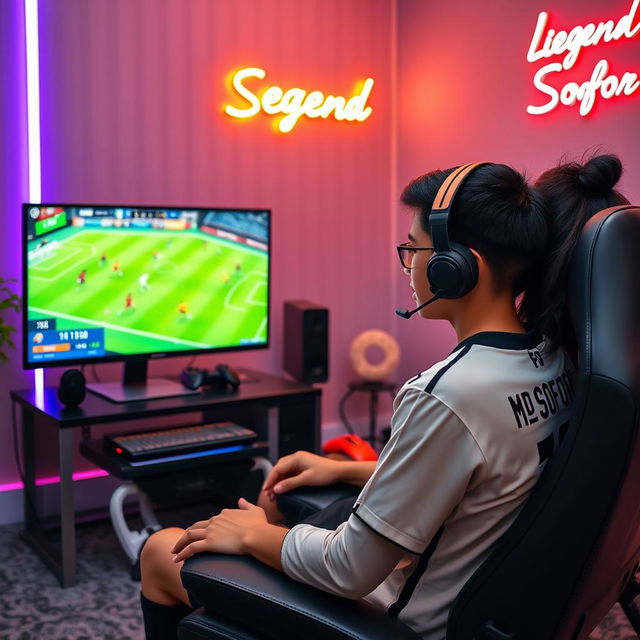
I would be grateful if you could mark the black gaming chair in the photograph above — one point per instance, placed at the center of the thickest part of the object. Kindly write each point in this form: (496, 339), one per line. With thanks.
(574, 549)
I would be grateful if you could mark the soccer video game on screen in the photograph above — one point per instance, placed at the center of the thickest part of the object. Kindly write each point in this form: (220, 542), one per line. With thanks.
(104, 282)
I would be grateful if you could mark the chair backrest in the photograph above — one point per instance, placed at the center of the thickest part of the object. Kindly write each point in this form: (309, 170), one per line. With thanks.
(575, 544)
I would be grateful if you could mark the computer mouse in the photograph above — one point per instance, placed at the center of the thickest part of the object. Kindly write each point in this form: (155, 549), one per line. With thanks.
(352, 446)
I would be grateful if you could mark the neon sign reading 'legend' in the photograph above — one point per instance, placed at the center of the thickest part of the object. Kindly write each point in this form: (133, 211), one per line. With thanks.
(295, 103)
(570, 44)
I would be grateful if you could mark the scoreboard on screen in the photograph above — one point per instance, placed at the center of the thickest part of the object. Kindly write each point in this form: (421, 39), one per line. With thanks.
(46, 219)
(47, 342)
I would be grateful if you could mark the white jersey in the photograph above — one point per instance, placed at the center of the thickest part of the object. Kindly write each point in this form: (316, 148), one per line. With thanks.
(469, 439)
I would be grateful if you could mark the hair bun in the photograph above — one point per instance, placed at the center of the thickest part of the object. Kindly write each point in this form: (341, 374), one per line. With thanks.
(600, 174)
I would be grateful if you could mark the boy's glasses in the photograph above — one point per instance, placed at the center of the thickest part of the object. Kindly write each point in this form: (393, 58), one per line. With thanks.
(406, 252)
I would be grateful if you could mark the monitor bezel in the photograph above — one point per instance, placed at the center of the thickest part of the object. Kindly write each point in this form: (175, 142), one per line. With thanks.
(26, 365)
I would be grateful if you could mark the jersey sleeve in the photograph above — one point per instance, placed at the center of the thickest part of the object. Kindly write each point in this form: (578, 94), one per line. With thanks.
(350, 561)
(422, 474)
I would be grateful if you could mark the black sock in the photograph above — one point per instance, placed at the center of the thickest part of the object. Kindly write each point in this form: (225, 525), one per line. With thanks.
(161, 620)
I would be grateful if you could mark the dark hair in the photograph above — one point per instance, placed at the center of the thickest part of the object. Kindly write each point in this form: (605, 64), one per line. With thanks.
(526, 234)
(573, 193)
(495, 213)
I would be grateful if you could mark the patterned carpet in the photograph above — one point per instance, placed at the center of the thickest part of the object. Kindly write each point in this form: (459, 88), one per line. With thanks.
(104, 605)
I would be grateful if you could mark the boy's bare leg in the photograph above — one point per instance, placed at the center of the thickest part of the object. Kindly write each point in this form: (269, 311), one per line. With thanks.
(161, 581)
(274, 515)
(161, 575)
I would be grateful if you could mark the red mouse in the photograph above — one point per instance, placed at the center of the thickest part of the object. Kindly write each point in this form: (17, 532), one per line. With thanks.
(352, 446)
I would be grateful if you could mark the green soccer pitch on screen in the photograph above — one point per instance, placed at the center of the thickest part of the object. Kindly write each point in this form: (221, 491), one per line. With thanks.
(105, 283)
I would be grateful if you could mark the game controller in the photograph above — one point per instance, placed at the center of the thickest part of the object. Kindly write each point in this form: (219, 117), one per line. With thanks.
(352, 446)
(222, 375)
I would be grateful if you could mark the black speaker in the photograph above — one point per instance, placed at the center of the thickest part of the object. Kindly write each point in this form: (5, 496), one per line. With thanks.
(306, 341)
(72, 388)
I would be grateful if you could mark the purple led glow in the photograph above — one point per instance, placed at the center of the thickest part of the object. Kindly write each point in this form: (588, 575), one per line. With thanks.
(32, 47)
(40, 482)
(13, 190)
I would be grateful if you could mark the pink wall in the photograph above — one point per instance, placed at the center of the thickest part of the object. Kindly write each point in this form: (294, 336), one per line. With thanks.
(132, 96)
(464, 85)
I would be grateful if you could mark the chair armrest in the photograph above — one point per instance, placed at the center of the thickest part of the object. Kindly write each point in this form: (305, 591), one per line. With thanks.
(242, 590)
(303, 502)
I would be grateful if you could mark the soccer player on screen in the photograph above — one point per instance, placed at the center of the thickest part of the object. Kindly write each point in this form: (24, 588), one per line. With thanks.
(143, 281)
(82, 276)
(116, 269)
(128, 304)
(183, 310)
(103, 259)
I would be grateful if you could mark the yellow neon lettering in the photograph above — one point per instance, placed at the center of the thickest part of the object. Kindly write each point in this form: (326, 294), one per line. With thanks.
(313, 101)
(245, 93)
(295, 103)
(356, 108)
(291, 106)
(270, 100)
(335, 104)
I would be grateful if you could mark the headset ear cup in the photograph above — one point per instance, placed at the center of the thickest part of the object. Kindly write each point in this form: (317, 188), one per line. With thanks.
(469, 266)
(444, 274)
(452, 274)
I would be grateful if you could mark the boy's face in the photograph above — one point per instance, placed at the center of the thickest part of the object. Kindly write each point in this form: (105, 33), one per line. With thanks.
(421, 292)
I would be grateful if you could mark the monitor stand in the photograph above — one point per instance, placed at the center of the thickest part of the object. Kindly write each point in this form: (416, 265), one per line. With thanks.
(135, 385)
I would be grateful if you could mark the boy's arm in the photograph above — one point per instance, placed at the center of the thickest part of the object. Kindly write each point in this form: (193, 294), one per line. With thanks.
(304, 469)
(357, 472)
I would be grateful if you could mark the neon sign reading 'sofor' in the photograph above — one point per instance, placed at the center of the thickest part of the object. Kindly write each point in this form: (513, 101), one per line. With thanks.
(570, 45)
(295, 103)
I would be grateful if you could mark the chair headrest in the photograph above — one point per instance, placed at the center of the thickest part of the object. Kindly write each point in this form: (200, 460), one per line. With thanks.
(604, 295)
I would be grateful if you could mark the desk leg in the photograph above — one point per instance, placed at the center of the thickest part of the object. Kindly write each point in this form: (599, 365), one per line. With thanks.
(67, 510)
(273, 433)
(62, 560)
(29, 497)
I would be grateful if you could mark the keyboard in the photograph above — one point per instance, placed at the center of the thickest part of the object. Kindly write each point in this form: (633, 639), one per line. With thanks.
(180, 440)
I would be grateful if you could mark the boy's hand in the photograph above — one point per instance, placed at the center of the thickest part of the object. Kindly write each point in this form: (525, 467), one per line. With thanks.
(225, 533)
(301, 469)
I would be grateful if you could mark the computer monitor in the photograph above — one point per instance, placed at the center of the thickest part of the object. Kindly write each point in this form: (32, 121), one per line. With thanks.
(133, 283)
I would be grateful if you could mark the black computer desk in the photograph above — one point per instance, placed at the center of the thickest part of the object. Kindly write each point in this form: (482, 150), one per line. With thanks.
(285, 414)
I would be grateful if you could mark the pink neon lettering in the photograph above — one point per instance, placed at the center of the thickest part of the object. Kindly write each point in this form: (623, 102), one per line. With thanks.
(547, 43)
(572, 43)
(607, 86)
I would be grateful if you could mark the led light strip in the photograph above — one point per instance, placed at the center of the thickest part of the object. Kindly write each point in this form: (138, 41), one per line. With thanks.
(40, 482)
(33, 131)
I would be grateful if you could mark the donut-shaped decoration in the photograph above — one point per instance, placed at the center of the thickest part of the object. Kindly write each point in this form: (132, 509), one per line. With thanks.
(358, 353)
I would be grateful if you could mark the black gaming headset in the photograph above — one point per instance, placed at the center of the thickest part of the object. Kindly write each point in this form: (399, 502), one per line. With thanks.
(452, 270)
